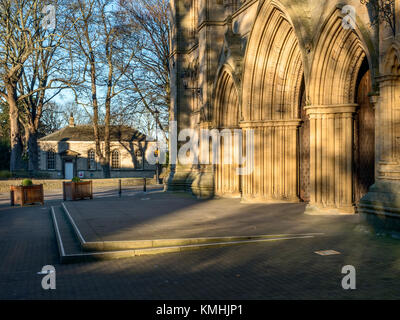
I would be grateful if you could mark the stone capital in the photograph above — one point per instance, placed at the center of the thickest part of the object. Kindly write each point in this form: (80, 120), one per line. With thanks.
(387, 80)
(206, 125)
(271, 123)
(226, 128)
(332, 109)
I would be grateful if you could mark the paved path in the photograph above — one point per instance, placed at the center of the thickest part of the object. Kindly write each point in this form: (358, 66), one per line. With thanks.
(160, 215)
(276, 270)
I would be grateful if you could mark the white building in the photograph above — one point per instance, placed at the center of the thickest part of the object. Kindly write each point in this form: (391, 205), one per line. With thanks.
(71, 152)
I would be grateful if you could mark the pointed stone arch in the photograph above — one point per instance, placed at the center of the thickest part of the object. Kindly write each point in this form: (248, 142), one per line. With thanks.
(226, 100)
(226, 117)
(272, 92)
(391, 61)
(332, 94)
(338, 56)
(384, 196)
(389, 114)
(273, 69)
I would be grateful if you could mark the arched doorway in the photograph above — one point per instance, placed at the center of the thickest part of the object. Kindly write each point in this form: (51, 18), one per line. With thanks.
(338, 68)
(364, 135)
(304, 149)
(272, 90)
(226, 119)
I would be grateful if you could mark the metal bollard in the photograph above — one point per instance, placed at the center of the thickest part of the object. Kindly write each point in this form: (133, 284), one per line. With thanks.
(144, 185)
(120, 188)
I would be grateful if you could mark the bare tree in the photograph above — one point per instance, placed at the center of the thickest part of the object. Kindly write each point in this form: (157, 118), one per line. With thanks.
(27, 52)
(19, 23)
(382, 11)
(113, 48)
(45, 74)
(98, 49)
(56, 115)
(149, 76)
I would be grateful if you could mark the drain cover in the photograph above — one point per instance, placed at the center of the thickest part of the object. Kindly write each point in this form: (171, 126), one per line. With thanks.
(327, 252)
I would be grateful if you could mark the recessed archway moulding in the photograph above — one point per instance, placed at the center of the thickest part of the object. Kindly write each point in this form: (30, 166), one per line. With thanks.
(338, 57)
(389, 115)
(383, 198)
(226, 116)
(271, 91)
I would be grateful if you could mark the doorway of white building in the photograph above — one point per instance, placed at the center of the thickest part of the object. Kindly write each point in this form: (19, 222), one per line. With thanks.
(69, 170)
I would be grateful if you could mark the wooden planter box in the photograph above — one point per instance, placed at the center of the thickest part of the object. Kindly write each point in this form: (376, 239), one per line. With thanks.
(26, 195)
(77, 190)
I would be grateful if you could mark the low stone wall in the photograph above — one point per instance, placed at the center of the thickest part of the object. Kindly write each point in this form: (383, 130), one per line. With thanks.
(50, 185)
(98, 174)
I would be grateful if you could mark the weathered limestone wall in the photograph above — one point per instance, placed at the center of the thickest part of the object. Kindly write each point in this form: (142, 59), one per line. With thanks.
(331, 158)
(381, 205)
(274, 176)
(260, 65)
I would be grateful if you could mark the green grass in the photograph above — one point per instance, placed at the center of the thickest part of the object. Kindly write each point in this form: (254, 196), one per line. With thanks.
(5, 174)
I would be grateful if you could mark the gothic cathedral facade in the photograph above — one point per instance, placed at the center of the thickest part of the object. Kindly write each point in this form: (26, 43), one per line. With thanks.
(317, 83)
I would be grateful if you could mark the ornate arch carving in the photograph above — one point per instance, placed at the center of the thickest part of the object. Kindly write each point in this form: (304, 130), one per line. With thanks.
(273, 69)
(389, 114)
(391, 62)
(226, 116)
(226, 101)
(338, 56)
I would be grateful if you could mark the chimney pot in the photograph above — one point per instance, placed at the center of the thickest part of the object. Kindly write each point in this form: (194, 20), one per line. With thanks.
(71, 120)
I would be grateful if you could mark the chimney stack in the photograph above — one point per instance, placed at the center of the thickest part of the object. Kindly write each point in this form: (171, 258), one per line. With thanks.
(71, 120)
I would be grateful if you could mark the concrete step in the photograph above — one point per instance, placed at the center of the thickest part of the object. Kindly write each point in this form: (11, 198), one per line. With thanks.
(69, 246)
(66, 233)
(71, 250)
(93, 246)
(67, 243)
(74, 248)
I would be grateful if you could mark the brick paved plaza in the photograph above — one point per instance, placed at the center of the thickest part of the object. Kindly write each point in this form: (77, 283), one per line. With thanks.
(285, 269)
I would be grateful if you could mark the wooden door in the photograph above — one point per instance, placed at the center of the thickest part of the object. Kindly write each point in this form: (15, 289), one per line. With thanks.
(364, 140)
(304, 154)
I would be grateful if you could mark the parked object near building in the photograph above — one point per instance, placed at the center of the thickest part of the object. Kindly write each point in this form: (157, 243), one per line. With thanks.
(77, 190)
(26, 194)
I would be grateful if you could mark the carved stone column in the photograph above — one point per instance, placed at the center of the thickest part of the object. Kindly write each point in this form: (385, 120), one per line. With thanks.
(203, 183)
(275, 169)
(389, 115)
(331, 159)
(381, 205)
(227, 178)
(201, 180)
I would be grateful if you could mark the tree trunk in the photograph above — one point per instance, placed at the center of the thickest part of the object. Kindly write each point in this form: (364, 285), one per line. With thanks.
(106, 166)
(103, 160)
(15, 136)
(33, 150)
(107, 147)
(106, 170)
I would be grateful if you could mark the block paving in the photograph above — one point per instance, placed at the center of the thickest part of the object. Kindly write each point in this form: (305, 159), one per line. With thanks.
(273, 270)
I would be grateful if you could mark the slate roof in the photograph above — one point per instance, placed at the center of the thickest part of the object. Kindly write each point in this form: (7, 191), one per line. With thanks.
(85, 133)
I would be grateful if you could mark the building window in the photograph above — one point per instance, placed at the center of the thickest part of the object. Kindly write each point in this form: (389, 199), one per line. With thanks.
(91, 160)
(115, 160)
(51, 160)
